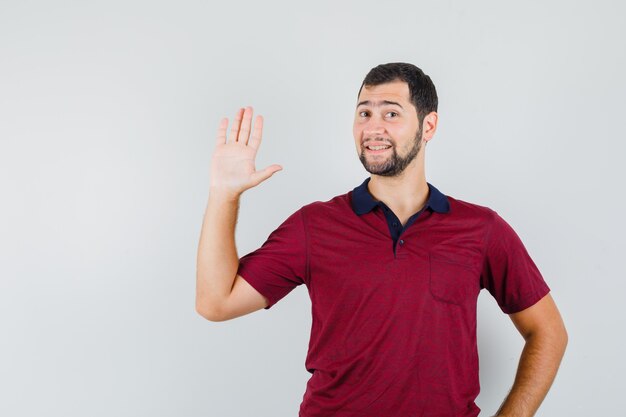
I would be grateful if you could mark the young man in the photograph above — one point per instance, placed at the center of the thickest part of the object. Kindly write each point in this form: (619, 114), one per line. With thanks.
(393, 269)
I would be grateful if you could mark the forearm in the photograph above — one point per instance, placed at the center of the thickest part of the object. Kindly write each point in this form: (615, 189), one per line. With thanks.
(537, 369)
(217, 260)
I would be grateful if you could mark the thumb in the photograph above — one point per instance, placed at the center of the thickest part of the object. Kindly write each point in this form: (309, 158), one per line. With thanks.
(260, 176)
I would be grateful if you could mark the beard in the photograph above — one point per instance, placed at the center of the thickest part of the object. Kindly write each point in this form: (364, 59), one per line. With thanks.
(395, 164)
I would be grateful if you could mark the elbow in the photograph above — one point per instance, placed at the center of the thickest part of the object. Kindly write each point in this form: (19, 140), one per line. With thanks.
(564, 338)
(558, 339)
(210, 313)
(560, 336)
(555, 337)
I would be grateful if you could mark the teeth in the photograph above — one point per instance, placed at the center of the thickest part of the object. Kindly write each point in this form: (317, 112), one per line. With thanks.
(378, 148)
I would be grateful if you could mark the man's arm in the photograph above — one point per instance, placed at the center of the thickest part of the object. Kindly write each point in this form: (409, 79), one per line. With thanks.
(546, 338)
(220, 293)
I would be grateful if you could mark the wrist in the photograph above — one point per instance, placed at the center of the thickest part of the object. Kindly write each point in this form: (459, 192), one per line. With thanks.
(223, 194)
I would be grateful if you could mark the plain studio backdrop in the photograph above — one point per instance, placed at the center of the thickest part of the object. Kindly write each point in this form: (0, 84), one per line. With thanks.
(108, 113)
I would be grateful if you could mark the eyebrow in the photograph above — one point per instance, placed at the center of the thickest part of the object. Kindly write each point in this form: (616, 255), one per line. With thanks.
(378, 103)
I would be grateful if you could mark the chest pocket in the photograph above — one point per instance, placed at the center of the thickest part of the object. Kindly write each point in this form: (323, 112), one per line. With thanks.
(452, 282)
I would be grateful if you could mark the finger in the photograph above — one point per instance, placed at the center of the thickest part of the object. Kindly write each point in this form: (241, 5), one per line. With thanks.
(234, 129)
(221, 131)
(257, 133)
(244, 130)
(260, 176)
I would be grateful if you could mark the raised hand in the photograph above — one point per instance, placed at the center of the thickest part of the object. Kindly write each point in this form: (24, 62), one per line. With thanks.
(233, 166)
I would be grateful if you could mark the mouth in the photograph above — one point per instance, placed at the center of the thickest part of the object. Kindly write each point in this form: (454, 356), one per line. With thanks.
(377, 148)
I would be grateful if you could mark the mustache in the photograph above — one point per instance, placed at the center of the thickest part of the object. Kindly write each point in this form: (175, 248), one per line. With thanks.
(378, 139)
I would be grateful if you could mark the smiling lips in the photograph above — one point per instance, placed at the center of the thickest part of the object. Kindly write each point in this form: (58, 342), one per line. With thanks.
(377, 146)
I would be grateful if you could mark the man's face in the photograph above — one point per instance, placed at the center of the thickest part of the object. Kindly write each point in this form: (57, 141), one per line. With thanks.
(386, 129)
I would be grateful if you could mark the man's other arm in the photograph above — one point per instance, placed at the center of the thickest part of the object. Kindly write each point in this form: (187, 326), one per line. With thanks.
(546, 338)
(221, 294)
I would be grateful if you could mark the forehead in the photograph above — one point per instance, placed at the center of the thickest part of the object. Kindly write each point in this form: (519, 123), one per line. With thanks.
(397, 91)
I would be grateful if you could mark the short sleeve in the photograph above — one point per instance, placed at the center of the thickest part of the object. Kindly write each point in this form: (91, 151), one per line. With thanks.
(508, 272)
(279, 265)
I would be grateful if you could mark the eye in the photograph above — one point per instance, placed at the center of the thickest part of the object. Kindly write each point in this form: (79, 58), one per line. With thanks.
(363, 113)
(391, 114)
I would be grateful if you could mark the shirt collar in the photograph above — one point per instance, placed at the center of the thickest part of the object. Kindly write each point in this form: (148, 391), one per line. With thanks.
(363, 202)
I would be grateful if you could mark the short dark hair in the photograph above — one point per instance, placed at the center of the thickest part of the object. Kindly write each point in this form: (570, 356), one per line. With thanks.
(421, 88)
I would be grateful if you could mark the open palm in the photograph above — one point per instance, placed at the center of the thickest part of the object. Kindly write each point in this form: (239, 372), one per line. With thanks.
(233, 167)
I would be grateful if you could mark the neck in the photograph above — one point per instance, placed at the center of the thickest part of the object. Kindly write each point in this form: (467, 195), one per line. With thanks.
(404, 194)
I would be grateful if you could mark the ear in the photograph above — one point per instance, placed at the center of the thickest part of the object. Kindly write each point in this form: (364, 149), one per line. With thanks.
(429, 125)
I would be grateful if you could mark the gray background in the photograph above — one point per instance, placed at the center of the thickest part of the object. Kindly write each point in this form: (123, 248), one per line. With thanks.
(108, 112)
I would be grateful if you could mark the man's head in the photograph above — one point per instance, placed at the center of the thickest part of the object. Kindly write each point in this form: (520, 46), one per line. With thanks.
(422, 92)
(396, 110)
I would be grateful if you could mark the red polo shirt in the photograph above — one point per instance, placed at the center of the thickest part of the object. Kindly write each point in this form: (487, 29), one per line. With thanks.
(394, 325)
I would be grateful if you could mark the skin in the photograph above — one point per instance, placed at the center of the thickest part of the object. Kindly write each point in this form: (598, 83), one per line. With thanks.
(384, 116)
(376, 122)
(220, 293)
(545, 338)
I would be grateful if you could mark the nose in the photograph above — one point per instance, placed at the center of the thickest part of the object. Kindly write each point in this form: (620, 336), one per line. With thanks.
(374, 127)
